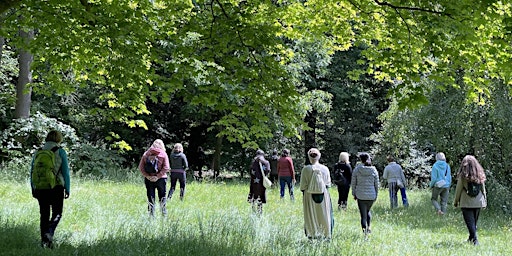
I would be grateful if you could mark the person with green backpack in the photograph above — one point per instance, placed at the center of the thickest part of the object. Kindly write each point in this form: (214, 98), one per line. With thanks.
(50, 184)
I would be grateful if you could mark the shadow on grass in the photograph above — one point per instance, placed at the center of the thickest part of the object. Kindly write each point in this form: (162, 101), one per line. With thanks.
(24, 240)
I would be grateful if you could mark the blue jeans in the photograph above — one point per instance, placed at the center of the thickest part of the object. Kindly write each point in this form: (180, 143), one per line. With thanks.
(286, 180)
(404, 197)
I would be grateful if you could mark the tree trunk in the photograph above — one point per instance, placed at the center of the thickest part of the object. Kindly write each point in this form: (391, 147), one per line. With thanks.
(310, 136)
(23, 94)
(216, 157)
(2, 41)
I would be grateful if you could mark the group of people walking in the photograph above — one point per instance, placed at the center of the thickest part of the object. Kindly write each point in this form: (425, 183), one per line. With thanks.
(364, 181)
(154, 166)
(315, 179)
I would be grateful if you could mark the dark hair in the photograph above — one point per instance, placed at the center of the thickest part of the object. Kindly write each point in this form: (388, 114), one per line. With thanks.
(54, 136)
(390, 159)
(285, 152)
(365, 159)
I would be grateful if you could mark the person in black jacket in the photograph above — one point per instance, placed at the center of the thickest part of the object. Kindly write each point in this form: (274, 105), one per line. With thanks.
(342, 177)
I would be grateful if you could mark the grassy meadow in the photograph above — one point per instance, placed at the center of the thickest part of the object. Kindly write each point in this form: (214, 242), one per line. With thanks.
(110, 218)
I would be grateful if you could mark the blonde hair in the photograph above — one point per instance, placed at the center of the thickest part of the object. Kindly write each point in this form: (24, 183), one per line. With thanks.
(158, 143)
(344, 156)
(178, 148)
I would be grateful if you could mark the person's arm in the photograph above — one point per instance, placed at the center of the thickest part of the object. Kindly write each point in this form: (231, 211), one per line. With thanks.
(376, 182)
(304, 179)
(141, 166)
(185, 162)
(448, 174)
(64, 168)
(292, 168)
(31, 171)
(164, 168)
(458, 192)
(353, 182)
(402, 176)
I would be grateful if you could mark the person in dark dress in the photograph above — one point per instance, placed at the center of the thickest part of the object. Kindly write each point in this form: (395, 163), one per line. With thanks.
(257, 192)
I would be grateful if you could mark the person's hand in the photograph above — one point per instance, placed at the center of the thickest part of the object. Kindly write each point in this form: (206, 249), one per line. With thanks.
(294, 181)
(153, 178)
(66, 195)
(455, 204)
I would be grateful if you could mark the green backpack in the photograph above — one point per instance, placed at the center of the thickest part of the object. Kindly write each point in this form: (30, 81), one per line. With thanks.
(43, 172)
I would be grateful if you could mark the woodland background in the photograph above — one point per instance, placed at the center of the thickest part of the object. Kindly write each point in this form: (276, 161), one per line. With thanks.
(404, 78)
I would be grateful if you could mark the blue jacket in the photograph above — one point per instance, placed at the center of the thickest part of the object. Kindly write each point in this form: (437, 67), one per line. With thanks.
(438, 173)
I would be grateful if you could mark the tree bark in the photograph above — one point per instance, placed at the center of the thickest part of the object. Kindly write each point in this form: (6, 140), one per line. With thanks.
(216, 157)
(23, 94)
(310, 136)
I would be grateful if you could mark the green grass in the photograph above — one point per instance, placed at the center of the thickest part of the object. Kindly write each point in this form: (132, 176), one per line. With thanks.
(109, 218)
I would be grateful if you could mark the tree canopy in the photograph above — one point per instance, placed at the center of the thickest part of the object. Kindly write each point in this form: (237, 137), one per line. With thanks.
(234, 57)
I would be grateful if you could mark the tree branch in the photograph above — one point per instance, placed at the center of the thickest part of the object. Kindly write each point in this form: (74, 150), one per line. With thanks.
(384, 3)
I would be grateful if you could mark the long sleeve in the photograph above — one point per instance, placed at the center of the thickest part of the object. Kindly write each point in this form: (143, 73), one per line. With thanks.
(65, 170)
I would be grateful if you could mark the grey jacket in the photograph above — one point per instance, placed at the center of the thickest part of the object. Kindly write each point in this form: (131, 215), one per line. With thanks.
(365, 183)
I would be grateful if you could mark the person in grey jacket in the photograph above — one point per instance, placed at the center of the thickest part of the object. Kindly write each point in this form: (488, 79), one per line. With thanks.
(394, 175)
(179, 166)
(365, 189)
(470, 172)
(441, 172)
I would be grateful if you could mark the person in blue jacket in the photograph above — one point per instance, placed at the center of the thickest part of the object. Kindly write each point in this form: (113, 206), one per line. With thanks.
(51, 200)
(440, 181)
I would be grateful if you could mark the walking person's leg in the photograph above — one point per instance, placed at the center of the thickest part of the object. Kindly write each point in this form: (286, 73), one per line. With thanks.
(44, 215)
(404, 197)
(469, 215)
(174, 179)
(150, 193)
(282, 183)
(161, 185)
(435, 203)
(289, 180)
(445, 192)
(183, 182)
(57, 205)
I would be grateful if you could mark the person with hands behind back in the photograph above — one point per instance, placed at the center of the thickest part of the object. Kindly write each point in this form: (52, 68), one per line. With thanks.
(50, 183)
(365, 189)
(470, 194)
(154, 166)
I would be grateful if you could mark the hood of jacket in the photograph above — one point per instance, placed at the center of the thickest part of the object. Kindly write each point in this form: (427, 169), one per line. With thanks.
(156, 151)
(176, 155)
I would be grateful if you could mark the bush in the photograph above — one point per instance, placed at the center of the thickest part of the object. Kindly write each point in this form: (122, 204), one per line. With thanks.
(24, 136)
(498, 195)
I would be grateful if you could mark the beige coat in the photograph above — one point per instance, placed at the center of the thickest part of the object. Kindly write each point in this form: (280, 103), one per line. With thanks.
(462, 200)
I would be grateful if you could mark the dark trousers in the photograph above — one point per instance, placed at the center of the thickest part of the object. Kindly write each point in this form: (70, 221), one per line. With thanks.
(343, 190)
(393, 198)
(364, 211)
(182, 178)
(160, 186)
(51, 201)
(471, 218)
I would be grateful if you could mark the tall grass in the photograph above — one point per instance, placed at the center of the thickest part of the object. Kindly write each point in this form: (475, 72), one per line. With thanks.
(110, 218)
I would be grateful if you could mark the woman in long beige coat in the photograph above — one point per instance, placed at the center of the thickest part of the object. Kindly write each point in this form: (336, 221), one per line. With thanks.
(314, 181)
